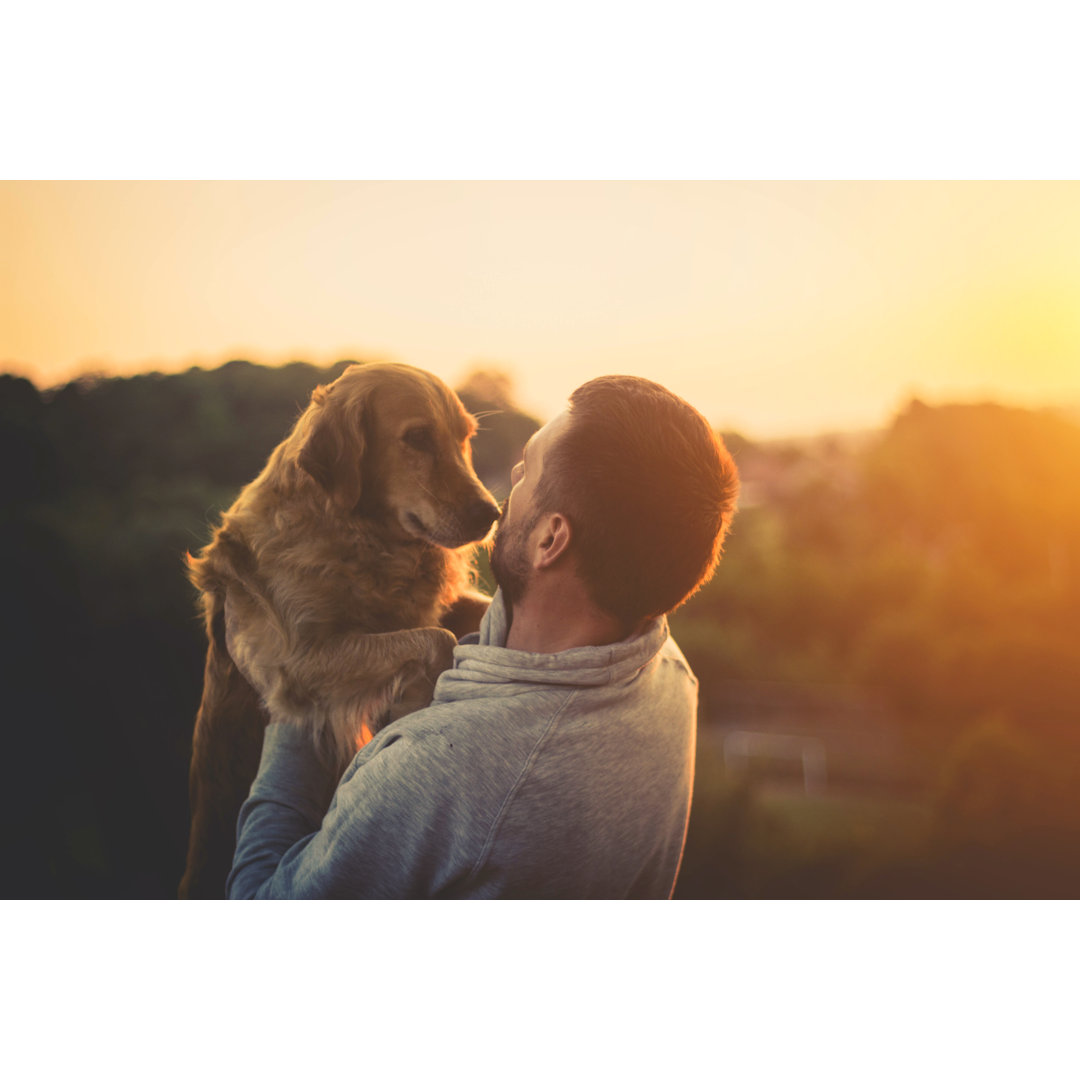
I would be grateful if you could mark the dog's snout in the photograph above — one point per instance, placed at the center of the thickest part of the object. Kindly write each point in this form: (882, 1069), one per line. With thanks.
(482, 514)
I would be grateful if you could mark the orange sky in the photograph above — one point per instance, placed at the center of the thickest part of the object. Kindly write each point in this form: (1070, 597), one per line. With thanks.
(778, 307)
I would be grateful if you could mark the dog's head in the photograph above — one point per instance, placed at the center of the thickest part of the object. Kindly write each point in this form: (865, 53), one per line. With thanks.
(392, 441)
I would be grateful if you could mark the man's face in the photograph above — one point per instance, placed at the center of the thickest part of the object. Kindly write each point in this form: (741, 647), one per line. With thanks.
(511, 564)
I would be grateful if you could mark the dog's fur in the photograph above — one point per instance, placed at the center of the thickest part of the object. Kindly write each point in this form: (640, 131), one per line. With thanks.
(337, 563)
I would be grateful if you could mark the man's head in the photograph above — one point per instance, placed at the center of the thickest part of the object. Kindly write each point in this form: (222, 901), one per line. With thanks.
(645, 490)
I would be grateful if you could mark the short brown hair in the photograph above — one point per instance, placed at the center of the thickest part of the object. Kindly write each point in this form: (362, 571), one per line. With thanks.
(649, 490)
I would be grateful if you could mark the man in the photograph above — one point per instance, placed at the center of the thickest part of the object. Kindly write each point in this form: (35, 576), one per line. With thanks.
(556, 759)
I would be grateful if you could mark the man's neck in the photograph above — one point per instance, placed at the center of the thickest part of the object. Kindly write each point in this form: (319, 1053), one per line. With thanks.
(553, 622)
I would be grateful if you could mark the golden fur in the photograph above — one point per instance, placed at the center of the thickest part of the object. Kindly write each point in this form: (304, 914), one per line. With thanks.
(337, 563)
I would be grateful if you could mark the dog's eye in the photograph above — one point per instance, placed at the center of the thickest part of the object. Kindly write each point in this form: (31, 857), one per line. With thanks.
(420, 438)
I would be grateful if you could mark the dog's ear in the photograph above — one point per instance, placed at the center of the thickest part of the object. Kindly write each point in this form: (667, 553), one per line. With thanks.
(333, 452)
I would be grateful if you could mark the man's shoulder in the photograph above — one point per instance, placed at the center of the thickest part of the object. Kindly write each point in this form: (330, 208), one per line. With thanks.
(480, 716)
(500, 728)
(671, 653)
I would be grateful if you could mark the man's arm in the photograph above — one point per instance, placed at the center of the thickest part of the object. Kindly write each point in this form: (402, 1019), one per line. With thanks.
(288, 799)
(400, 824)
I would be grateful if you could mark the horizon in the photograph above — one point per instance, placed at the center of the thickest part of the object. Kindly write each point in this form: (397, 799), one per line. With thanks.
(1068, 410)
(780, 309)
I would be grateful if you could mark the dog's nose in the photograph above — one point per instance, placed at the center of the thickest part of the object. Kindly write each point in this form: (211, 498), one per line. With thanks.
(481, 515)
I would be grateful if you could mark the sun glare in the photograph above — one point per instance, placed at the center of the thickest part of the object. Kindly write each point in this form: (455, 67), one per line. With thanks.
(778, 307)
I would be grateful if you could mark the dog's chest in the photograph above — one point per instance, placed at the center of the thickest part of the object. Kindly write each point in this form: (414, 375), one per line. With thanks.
(373, 589)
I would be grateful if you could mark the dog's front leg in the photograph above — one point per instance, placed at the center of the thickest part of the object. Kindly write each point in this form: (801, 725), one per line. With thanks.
(353, 681)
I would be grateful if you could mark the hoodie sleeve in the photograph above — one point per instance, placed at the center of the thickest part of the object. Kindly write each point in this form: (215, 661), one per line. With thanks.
(398, 825)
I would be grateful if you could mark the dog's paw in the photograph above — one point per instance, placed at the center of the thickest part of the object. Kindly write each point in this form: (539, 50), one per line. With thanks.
(416, 682)
(440, 655)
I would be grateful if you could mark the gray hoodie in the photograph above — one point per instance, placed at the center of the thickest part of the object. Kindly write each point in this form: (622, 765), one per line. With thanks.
(531, 775)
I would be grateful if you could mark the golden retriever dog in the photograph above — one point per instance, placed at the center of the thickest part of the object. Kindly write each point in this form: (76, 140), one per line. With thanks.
(337, 563)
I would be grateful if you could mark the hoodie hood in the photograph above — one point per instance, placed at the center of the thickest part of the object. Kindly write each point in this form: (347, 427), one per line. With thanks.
(482, 660)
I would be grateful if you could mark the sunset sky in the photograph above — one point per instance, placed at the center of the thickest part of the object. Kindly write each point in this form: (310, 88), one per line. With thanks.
(775, 307)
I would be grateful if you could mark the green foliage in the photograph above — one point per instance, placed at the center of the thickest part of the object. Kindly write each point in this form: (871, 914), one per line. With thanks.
(218, 426)
(728, 842)
(1006, 813)
(939, 563)
(748, 842)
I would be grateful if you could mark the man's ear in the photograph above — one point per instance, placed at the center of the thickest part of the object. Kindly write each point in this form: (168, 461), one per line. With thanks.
(552, 540)
(333, 452)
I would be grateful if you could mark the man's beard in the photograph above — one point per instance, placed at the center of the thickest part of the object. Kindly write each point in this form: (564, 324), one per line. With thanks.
(509, 562)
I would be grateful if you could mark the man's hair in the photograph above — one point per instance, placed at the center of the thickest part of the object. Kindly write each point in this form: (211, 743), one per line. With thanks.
(649, 490)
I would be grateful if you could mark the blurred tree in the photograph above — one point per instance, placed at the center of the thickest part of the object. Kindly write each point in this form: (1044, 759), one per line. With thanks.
(503, 428)
(28, 467)
(1006, 817)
